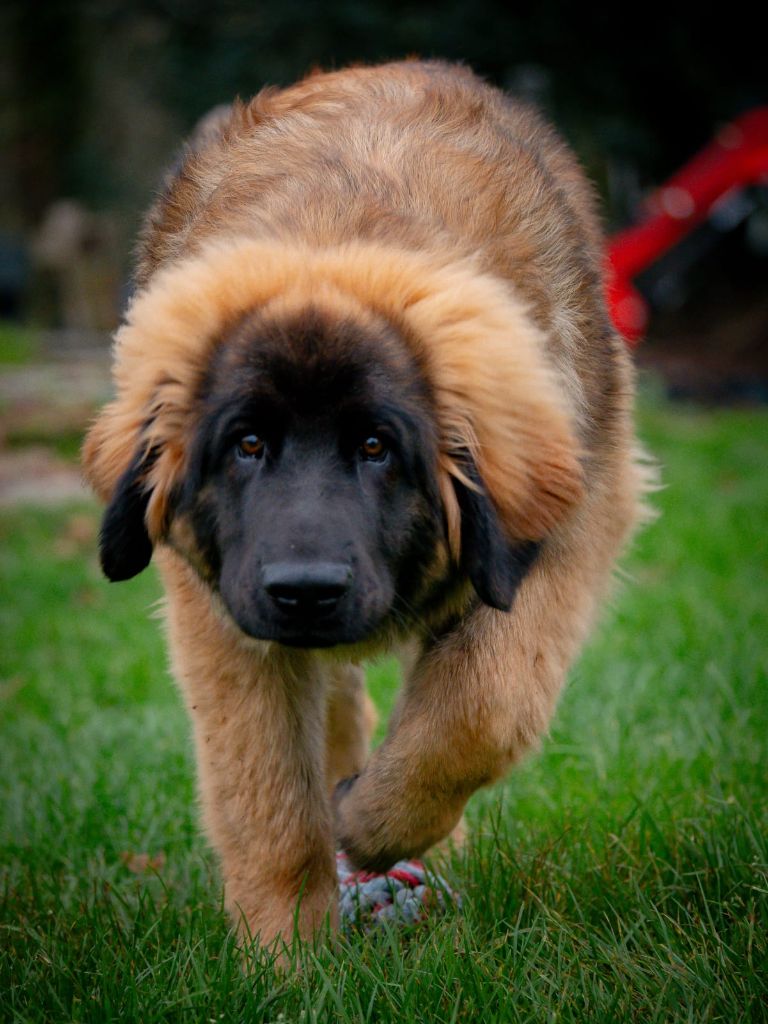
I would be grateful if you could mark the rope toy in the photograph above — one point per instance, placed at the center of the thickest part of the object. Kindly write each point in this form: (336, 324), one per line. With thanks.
(405, 894)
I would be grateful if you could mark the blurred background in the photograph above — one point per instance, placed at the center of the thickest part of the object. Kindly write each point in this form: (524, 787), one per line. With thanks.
(98, 96)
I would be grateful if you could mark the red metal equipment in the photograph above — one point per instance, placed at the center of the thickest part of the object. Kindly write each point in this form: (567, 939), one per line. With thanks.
(738, 156)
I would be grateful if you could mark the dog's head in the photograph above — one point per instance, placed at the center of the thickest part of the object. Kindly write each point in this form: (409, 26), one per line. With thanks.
(315, 437)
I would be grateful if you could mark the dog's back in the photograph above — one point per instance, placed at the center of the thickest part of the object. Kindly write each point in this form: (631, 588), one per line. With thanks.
(423, 155)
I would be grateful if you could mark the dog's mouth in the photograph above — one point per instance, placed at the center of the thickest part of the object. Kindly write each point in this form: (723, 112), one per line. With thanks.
(317, 624)
(314, 639)
(310, 632)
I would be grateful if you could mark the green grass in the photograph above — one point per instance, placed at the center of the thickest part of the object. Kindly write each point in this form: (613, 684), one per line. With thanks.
(18, 344)
(620, 875)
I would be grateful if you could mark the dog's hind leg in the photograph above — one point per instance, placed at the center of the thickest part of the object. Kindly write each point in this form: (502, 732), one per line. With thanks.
(350, 724)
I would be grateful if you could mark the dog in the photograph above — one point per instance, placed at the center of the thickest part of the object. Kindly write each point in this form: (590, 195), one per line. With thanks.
(368, 398)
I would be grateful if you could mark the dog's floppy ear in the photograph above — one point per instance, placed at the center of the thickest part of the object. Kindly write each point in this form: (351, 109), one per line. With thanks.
(494, 564)
(125, 547)
(134, 462)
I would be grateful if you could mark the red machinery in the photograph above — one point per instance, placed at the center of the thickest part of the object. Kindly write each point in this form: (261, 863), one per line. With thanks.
(738, 156)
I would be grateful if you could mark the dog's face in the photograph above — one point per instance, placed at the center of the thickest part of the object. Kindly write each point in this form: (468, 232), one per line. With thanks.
(310, 501)
(311, 488)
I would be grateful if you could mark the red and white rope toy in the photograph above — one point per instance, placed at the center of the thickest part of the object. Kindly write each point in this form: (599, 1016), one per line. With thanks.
(407, 893)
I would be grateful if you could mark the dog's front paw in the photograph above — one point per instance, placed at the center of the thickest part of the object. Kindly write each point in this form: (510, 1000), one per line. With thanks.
(378, 823)
(362, 831)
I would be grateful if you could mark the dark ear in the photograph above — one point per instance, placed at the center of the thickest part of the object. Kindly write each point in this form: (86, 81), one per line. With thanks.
(125, 547)
(494, 564)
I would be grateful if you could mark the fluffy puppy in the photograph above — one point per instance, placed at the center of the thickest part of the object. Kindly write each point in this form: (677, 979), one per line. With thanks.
(368, 397)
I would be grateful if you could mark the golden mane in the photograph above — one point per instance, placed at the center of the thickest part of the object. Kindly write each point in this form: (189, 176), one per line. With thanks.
(496, 396)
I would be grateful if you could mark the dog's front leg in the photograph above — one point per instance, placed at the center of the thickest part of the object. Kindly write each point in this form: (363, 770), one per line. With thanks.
(477, 699)
(259, 724)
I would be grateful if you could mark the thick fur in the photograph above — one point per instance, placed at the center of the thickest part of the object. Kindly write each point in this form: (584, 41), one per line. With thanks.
(414, 229)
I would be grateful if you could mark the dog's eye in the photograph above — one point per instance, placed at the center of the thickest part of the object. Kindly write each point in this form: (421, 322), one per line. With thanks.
(250, 447)
(374, 449)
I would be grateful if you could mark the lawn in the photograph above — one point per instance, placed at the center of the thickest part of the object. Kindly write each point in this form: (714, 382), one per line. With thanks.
(619, 875)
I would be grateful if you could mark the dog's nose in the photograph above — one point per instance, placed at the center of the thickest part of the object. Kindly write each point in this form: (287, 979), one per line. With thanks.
(306, 588)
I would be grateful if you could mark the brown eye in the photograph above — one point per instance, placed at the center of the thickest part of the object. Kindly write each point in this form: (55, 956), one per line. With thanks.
(373, 448)
(250, 447)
